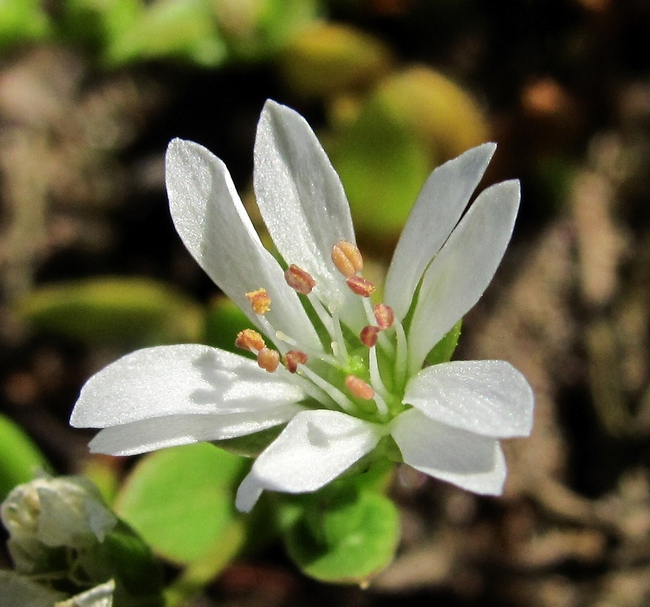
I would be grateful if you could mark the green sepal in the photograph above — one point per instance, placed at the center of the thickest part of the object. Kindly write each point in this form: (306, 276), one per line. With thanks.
(181, 500)
(445, 348)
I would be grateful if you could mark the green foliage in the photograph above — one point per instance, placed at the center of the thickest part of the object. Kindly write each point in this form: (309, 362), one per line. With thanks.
(382, 167)
(20, 458)
(327, 59)
(21, 21)
(344, 533)
(126, 311)
(201, 32)
(181, 499)
(223, 321)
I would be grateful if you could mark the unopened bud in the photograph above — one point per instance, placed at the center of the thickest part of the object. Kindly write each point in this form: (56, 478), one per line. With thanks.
(260, 301)
(384, 315)
(250, 340)
(299, 280)
(369, 335)
(347, 258)
(268, 359)
(360, 285)
(359, 388)
(293, 358)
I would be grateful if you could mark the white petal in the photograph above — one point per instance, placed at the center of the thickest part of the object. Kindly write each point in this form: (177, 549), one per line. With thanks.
(314, 448)
(214, 226)
(488, 397)
(434, 215)
(248, 493)
(303, 204)
(179, 380)
(473, 462)
(172, 430)
(461, 272)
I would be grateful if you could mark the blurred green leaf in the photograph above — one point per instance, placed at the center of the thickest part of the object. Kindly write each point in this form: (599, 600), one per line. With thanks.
(382, 167)
(95, 22)
(444, 117)
(326, 58)
(20, 458)
(133, 311)
(223, 321)
(181, 500)
(344, 534)
(22, 20)
(169, 28)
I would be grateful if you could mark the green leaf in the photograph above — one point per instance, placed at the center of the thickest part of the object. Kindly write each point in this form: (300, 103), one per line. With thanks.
(126, 311)
(438, 112)
(382, 166)
(223, 321)
(22, 20)
(181, 500)
(345, 535)
(326, 59)
(170, 28)
(20, 458)
(445, 348)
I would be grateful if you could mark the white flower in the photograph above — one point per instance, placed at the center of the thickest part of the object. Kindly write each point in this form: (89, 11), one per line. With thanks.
(352, 379)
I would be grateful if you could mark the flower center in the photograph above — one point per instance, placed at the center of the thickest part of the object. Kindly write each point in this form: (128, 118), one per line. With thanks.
(363, 374)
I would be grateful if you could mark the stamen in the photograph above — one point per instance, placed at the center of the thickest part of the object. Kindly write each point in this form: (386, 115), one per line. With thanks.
(359, 388)
(250, 340)
(384, 315)
(268, 359)
(293, 358)
(369, 335)
(384, 343)
(347, 258)
(260, 301)
(338, 346)
(322, 313)
(382, 407)
(335, 394)
(330, 360)
(299, 280)
(360, 285)
(375, 376)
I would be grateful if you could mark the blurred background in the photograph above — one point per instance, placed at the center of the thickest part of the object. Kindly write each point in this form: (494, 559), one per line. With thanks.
(91, 91)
